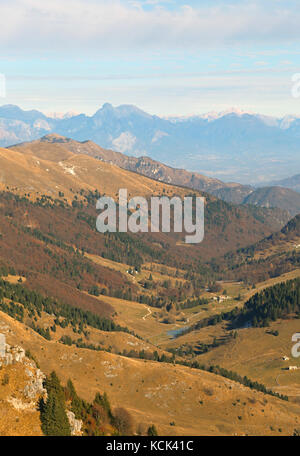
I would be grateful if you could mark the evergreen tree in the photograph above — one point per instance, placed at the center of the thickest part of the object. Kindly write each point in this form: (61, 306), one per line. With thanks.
(53, 412)
(152, 432)
(54, 418)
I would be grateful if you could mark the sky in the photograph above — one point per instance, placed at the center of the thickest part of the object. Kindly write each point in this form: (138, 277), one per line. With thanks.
(170, 58)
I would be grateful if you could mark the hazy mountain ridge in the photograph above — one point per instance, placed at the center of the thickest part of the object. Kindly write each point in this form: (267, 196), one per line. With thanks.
(269, 197)
(235, 146)
(280, 197)
(291, 182)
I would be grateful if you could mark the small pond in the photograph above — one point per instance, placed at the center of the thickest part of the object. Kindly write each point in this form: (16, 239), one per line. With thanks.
(176, 332)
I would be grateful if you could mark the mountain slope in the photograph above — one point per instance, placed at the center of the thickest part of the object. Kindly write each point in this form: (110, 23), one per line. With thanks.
(160, 393)
(271, 257)
(143, 165)
(284, 199)
(54, 146)
(68, 170)
(292, 183)
(50, 209)
(235, 146)
(280, 197)
(52, 169)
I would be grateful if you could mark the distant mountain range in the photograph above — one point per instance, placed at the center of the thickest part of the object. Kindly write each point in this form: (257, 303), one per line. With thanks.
(291, 182)
(233, 145)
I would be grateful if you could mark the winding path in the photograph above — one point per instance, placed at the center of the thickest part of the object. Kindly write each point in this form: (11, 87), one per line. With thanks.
(149, 313)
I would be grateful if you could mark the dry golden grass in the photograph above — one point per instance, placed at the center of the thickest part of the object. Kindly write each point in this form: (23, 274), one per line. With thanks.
(121, 267)
(199, 403)
(24, 420)
(137, 318)
(49, 169)
(258, 355)
(115, 342)
(14, 279)
(254, 353)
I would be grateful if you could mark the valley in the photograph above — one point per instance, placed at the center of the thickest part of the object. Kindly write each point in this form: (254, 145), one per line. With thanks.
(149, 224)
(144, 318)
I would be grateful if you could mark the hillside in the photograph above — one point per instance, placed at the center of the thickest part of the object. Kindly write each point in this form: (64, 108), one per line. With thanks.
(35, 404)
(48, 264)
(111, 303)
(49, 209)
(51, 168)
(292, 183)
(273, 197)
(65, 257)
(21, 389)
(143, 165)
(261, 348)
(270, 257)
(161, 393)
(54, 147)
(280, 197)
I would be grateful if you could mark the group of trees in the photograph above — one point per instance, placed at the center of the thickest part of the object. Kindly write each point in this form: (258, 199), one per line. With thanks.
(245, 381)
(253, 264)
(153, 356)
(190, 303)
(53, 410)
(192, 350)
(278, 301)
(34, 304)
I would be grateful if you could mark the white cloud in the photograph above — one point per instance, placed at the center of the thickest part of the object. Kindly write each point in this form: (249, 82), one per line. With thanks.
(107, 25)
(125, 142)
(158, 135)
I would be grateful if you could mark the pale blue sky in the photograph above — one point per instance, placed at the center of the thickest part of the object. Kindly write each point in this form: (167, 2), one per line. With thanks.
(168, 57)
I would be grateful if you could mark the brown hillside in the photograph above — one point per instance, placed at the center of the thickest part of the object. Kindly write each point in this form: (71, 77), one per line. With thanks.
(197, 402)
(52, 167)
(142, 165)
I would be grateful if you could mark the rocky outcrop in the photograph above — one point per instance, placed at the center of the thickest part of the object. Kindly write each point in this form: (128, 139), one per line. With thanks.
(75, 425)
(2, 346)
(15, 354)
(31, 386)
(8, 354)
(34, 388)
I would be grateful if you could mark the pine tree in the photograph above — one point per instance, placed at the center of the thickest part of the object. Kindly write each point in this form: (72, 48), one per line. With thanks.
(77, 404)
(104, 402)
(152, 432)
(54, 418)
(53, 412)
